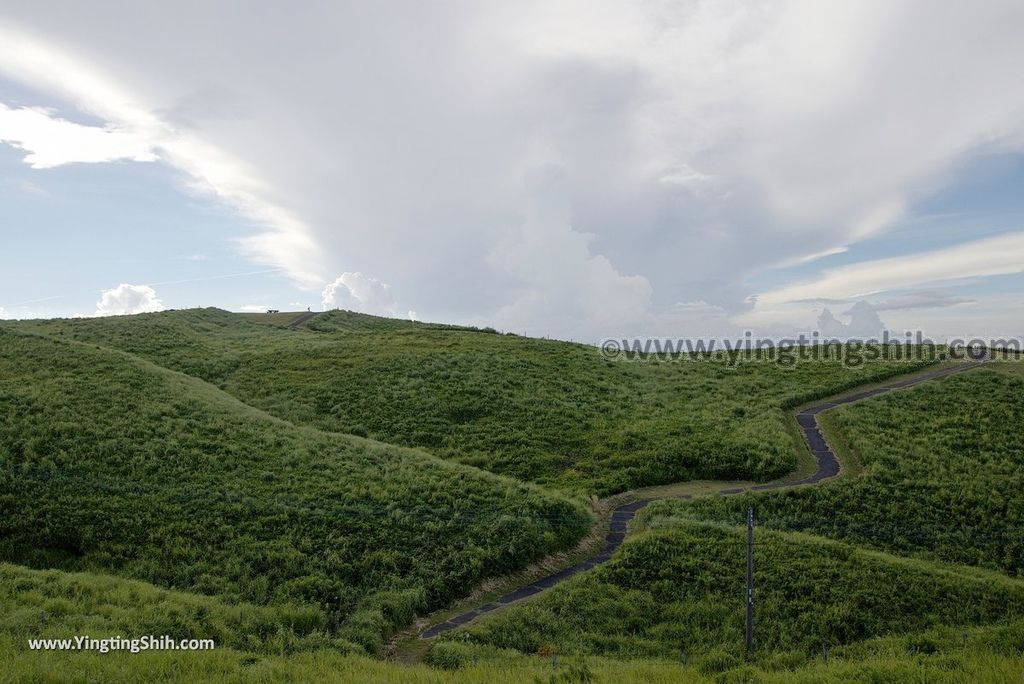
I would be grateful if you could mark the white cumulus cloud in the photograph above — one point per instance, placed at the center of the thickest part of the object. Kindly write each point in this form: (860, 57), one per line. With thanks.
(50, 141)
(357, 292)
(864, 323)
(135, 131)
(701, 144)
(128, 299)
(564, 289)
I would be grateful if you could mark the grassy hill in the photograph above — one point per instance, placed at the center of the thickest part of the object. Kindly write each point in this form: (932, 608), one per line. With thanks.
(52, 604)
(942, 468)
(679, 589)
(943, 474)
(543, 411)
(273, 644)
(299, 495)
(108, 462)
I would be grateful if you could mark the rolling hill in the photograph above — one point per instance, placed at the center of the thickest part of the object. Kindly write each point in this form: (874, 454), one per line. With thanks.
(303, 495)
(111, 463)
(543, 411)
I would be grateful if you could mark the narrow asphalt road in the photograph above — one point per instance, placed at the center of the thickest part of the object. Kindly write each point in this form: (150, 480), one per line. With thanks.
(828, 467)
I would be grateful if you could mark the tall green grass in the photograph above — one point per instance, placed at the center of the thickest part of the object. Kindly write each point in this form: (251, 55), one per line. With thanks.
(943, 475)
(678, 590)
(42, 604)
(543, 411)
(201, 455)
(112, 464)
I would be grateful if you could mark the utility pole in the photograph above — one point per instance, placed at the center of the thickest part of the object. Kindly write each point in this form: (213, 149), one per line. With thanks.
(750, 579)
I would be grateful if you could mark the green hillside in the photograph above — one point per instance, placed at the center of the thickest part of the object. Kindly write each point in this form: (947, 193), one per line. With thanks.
(543, 411)
(272, 644)
(110, 463)
(302, 496)
(52, 604)
(678, 590)
(943, 474)
(941, 479)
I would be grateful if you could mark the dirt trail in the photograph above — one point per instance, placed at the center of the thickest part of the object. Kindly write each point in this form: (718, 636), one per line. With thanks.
(309, 315)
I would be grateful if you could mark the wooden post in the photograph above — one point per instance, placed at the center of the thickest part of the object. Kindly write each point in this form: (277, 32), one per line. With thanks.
(750, 579)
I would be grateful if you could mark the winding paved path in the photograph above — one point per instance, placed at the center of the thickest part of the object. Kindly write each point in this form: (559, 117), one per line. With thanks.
(828, 467)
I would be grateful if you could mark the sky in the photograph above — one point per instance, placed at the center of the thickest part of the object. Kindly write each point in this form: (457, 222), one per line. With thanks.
(579, 170)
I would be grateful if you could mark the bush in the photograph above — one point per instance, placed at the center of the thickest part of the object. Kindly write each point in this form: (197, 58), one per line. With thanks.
(717, 660)
(449, 655)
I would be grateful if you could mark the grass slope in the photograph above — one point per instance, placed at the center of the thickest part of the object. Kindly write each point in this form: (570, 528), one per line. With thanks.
(544, 411)
(290, 543)
(943, 474)
(111, 463)
(679, 589)
(51, 604)
(272, 644)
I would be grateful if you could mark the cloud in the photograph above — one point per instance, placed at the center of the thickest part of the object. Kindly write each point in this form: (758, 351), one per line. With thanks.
(922, 299)
(698, 307)
(808, 258)
(50, 141)
(128, 299)
(999, 255)
(30, 188)
(138, 132)
(356, 292)
(864, 323)
(916, 299)
(561, 287)
(253, 308)
(699, 144)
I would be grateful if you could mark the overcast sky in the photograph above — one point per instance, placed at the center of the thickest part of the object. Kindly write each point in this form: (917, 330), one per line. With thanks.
(571, 169)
